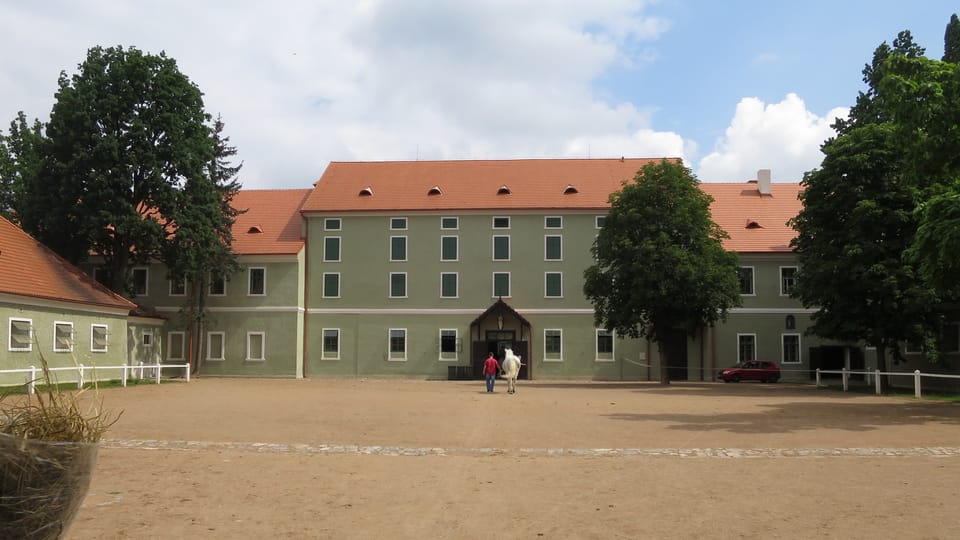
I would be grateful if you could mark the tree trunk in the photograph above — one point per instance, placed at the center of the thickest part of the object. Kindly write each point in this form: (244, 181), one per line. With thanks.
(664, 364)
(882, 367)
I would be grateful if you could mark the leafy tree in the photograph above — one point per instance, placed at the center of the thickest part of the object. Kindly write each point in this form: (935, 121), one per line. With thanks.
(125, 133)
(660, 264)
(951, 40)
(21, 158)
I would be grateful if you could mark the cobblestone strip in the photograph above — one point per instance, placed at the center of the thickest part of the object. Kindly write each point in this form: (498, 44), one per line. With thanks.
(718, 453)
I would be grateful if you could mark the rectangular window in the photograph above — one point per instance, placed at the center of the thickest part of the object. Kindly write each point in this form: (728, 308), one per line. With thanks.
(331, 224)
(791, 349)
(257, 281)
(448, 344)
(449, 248)
(146, 338)
(599, 221)
(501, 284)
(746, 347)
(745, 274)
(398, 224)
(255, 346)
(62, 336)
(501, 222)
(398, 248)
(501, 248)
(98, 338)
(553, 284)
(553, 222)
(398, 284)
(331, 344)
(178, 287)
(331, 284)
(331, 249)
(140, 278)
(218, 286)
(398, 344)
(788, 279)
(448, 285)
(449, 223)
(215, 342)
(552, 248)
(553, 345)
(604, 345)
(175, 345)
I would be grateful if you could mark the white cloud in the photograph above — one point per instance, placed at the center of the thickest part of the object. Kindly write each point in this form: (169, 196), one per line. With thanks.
(784, 137)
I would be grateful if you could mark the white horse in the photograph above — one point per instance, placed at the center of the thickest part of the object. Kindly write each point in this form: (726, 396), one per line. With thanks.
(511, 369)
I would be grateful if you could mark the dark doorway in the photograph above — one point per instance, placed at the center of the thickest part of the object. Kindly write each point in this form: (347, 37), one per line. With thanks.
(675, 355)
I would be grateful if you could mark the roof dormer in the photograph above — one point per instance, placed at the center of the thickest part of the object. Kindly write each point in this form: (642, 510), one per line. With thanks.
(435, 190)
(503, 190)
(570, 190)
(366, 192)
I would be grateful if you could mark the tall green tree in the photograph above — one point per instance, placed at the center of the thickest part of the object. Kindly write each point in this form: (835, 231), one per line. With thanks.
(21, 158)
(660, 263)
(126, 132)
(951, 40)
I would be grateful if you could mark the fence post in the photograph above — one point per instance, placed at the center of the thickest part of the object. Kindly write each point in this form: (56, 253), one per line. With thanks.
(845, 376)
(140, 367)
(916, 383)
(32, 380)
(876, 381)
(80, 378)
(123, 374)
(818, 377)
(158, 373)
(186, 371)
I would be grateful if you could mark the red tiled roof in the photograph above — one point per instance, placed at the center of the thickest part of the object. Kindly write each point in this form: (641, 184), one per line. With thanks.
(271, 225)
(536, 184)
(28, 268)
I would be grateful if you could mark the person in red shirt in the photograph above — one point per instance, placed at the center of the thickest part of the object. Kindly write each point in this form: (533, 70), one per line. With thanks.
(490, 369)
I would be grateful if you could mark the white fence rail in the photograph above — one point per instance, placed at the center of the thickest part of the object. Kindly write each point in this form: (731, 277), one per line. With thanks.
(139, 371)
(917, 375)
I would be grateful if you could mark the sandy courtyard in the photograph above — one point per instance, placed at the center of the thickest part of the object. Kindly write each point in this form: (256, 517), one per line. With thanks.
(225, 458)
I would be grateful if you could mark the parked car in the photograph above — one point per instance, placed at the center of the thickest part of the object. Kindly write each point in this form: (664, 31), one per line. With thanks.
(752, 370)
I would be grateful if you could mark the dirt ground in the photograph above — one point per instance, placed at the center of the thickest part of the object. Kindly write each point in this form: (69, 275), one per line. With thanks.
(227, 458)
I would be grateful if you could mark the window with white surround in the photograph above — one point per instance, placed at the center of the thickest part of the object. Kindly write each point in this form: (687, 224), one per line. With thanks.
(398, 248)
(501, 248)
(398, 224)
(218, 286)
(599, 221)
(98, 338)
(604, 348)
(331, 224)
(140, 280)
(501, 222)
(450, 223)
(176, 345)
(215, 344)
(331, 284)
(553, 284)
(745, 275)
(449, 285)
(146, 338)
(448, 344)
(553, 248)
(178, 287)
(553, 222)
(398, 284)
(255, 346)
(553, 345)
(788, 279)
(746, 347)
(501, 284)
(449, 248)
(791, 349)
(331, 344)
(398, 344)
(257, 281)
(331, 249)
(62, 336)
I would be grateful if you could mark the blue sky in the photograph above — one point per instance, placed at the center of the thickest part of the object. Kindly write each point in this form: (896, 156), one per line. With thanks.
(731, 87)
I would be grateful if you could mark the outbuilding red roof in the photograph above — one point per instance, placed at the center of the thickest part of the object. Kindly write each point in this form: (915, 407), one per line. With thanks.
(271, 225)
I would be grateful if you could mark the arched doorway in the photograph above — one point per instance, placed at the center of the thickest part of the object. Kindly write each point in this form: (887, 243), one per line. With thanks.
(497, 328)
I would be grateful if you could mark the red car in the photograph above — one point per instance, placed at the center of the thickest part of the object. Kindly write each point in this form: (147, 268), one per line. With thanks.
(751, 370)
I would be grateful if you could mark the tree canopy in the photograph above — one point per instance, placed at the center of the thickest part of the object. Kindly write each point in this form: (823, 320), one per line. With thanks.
(660, 262)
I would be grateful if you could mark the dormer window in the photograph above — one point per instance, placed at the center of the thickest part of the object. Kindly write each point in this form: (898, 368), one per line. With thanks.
(435, 190)
(504, 190)
(366, 192)
(751, 224)
(255, 230)
(569, 190)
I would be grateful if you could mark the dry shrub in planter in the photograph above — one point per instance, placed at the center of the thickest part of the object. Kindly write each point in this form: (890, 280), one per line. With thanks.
(48, 448)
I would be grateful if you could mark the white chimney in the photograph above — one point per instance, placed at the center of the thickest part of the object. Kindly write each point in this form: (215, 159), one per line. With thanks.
(763, 181)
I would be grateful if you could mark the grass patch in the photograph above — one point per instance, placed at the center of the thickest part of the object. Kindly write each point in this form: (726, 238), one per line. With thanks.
(21, 389)
(899, 392)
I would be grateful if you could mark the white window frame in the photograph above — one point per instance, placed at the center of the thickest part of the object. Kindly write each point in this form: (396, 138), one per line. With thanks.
(753, 353)
(456, 256)
(598, 221)
(546, 226)
(753, 280)
(493, 248)
(406, 291)
(263, 347)
(323, 285)
(171, 283)
(93, 340)
(456, 276)
(403, 228)
(223, 346)
(546, 289)
(545, 357)
(176, 337)
(324, 355)
(456, 343)
(795, 270)
(406, 248)
(390, 353)
(146, 338)
(493, 223)
(339, 248)
(783, 348)
(596, 345)
(146, 280)
(328, 224)
(250, 281)
(546, 238)
(69, 326)
(454, 228)
(493, 283)
(214, 279)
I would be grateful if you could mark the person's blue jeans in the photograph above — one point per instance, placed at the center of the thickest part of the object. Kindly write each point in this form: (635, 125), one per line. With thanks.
(490, 381)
